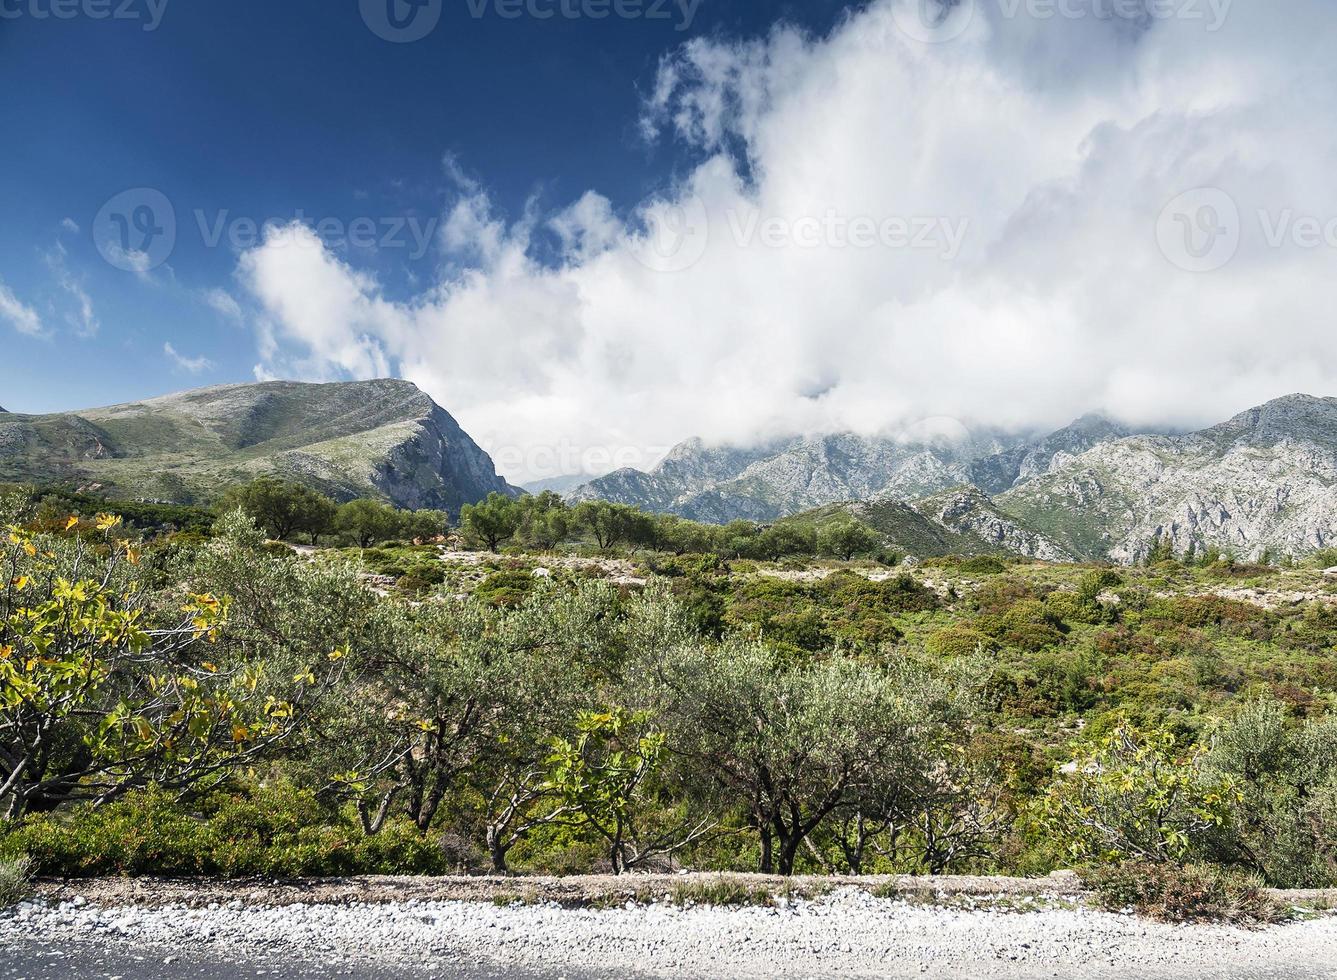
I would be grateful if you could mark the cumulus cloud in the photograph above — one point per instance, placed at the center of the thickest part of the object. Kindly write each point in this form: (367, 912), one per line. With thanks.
(21, 317)
(897, 221)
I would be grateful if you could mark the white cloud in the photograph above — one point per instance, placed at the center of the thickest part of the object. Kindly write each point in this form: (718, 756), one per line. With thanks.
(1056, 143)
(84, 320)
(191, 365)
(222, 303)
(22, 318)
(70, 225)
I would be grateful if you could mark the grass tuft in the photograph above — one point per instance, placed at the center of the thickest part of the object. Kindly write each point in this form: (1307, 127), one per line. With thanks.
(15, 880)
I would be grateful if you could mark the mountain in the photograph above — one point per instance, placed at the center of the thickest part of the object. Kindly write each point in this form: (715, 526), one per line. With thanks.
(556, 484)
(383, 439)
(721, 484)
(998, 473)
(1265, 480)
(718, 485)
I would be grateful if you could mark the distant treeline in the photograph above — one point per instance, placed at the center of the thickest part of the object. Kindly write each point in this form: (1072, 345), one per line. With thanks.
(289, 511)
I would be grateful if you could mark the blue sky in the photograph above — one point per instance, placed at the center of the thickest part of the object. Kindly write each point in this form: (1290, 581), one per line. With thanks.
(274, 109)
(590, 238)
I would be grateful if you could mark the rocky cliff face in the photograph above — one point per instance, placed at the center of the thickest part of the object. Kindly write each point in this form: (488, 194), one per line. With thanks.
(1264, 481)
(999, 473)
(383, 439)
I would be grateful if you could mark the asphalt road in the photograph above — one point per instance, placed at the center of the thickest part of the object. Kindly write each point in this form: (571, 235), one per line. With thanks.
(26, 960)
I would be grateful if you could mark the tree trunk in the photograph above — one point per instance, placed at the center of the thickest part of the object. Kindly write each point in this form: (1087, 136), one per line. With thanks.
(767, 858)
(497, 851)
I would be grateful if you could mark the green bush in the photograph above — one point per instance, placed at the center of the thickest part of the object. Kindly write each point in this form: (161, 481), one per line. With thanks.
(507, 588)
(15, 880)
(982, 565)
(277, 832)
(1179, 893)
(1326, 558)
(959, 641)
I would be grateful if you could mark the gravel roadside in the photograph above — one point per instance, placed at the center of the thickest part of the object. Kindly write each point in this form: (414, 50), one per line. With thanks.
(848, 933)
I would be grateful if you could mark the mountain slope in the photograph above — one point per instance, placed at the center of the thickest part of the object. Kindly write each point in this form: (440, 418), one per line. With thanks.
(998, 473)
(718, 485)
(1265, 480)
(384, 439)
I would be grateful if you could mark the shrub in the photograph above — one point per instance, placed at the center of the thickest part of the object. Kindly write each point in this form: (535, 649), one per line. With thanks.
(959, 641)
(505, 588)
(982, 565)
(15, 880)
(1326, 558)
(1204, 611)
(1029, 625)
(1136, 797)
(721, 892)
(1175, 893)
(278, 832)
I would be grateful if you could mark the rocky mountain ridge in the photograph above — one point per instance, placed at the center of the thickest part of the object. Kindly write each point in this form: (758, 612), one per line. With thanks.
(766, 483)
(1264, 481)
(383, 439)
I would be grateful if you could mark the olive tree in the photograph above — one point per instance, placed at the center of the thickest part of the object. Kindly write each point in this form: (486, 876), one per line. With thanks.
(796, 741)
(450, 695)
(108, 684)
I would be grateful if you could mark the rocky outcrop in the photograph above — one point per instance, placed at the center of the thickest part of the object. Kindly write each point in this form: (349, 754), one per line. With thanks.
(969, 512)
(1265, 481)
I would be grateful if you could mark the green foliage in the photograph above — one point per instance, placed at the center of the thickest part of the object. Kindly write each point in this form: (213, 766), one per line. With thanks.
(281, 508)
(15, 880)
(1285, 778)
(1135, 797)
(277, 831)
(800, 718)
(959, 641)
(843, 609)
(601, 776)
(100, 686)
(491, 522)
(1193, 893)
(982, 565)
(365, 522)
(1325, 558)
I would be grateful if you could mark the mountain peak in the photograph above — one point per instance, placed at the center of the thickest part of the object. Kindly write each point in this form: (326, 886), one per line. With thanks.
(384, 438)
(1299, 417)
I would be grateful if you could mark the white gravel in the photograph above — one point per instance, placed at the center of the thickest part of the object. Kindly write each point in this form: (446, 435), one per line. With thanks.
(848, 934)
